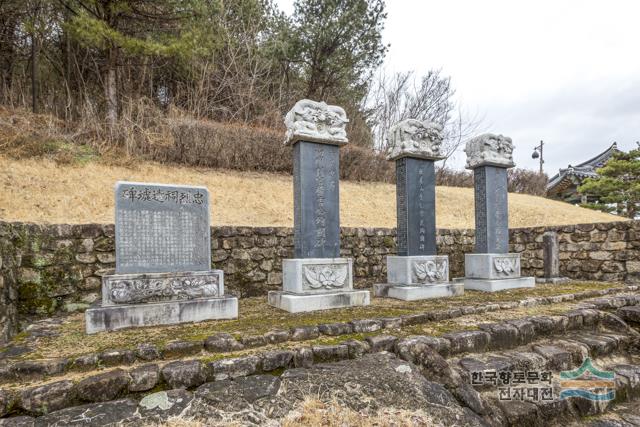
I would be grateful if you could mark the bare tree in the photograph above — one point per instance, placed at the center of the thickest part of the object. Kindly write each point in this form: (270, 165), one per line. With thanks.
(401, 96)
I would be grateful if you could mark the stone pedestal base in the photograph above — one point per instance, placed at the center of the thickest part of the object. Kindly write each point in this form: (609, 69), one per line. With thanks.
(553, 280)
(493, 272)
(152, 299)
(114, 317)
(494, 285)
(298, 303)
(417, 270)
(317, 275)
(417, 277)
(414, 293)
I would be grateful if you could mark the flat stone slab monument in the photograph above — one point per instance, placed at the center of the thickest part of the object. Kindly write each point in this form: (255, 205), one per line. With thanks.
(551, 255)
(491, 267)
(417, 272)
(317, 278)
(163, 261)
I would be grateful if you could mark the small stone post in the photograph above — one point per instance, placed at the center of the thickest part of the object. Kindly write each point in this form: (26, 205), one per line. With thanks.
(491, 268)
(551, 255)
(317, 278)
(417, 272)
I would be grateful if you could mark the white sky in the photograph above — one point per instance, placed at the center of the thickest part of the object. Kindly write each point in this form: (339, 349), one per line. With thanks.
(564, 71)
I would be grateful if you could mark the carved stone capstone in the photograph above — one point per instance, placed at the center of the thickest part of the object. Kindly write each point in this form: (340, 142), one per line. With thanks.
(489, 150)
(413, 138)
(316, 122)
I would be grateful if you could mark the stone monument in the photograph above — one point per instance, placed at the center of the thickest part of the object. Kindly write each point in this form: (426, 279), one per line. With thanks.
(317, 278)
(551, 255)
(491, 267)
(417, 272)
(163, 261)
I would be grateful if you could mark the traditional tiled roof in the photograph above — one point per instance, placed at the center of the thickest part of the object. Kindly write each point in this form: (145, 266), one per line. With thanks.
(566, 176)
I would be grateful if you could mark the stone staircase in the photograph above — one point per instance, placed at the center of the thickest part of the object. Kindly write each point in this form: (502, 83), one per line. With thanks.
(366, 364)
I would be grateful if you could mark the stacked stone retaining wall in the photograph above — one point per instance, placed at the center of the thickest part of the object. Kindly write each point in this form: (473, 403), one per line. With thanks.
(46, 268)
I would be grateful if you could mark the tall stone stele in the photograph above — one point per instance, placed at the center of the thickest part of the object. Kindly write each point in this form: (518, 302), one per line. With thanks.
(491, 267)
(417, 272)
(317, 278)
(163, 261)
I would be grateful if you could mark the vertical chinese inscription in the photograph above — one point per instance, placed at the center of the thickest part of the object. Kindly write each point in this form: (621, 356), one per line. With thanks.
(316, 198)
(491, 209)
(401, 203)
(480, 200)
(415, 198)
(161, 228)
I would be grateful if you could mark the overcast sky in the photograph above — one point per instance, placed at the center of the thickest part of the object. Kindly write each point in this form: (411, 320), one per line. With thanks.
(564, 71)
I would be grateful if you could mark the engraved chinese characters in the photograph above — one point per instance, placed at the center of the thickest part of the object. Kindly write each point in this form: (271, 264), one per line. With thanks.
(161, 228)
(163, 261)
(317, 278)
(491, 268)
(417, 272)
(316, 199)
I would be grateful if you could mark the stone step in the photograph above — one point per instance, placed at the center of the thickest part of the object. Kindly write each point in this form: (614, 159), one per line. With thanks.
(518, 342)
(17, 368)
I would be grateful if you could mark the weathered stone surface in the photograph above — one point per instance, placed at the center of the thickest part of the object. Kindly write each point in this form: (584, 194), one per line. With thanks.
(148, 351)
(93, 414)
(31, 369)
(467, 341)
(251, 341)
(411, 347)
(414, 319)
(600, 345)
(519, 413)
(222, 343)
(164, 404)
(273, 360)
(233, 368)
(382, 381)
(182, 348)
(558, 358)
(117, 357)
(144, 378)
(381, 342)
(330, 353)
(333, 329)
(356, 348)
(6, 401)
(184, 374)
(277, 336)
(303, 357)
(526, 330)
(614, 323)
(85, 363)
(630, 314)
(503, 335)
(366, 325)
(48, 397)
(302, 333)
(19, 421)
(103, 387)
(238, 394)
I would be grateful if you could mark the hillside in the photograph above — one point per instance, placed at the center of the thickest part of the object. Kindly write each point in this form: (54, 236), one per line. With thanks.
(43, 191)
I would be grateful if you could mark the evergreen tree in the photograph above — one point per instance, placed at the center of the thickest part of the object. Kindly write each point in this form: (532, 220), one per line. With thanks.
(618, 186)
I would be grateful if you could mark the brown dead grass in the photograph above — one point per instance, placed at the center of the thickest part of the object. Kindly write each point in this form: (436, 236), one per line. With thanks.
(40, 190)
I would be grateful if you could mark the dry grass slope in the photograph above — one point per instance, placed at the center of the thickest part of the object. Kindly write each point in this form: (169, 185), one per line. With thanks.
(39, 190)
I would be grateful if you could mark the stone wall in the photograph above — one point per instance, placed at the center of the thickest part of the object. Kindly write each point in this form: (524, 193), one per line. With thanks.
(59, 266)
(8, 286)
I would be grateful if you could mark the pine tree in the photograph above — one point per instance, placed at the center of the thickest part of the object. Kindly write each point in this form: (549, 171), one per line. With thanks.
(618, 186)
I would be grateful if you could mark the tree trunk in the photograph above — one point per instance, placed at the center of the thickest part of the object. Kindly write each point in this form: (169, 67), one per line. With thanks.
(34, 73)
(111, 89)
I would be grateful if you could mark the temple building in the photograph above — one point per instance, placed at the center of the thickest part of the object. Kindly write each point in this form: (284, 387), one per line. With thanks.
(564, 185)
